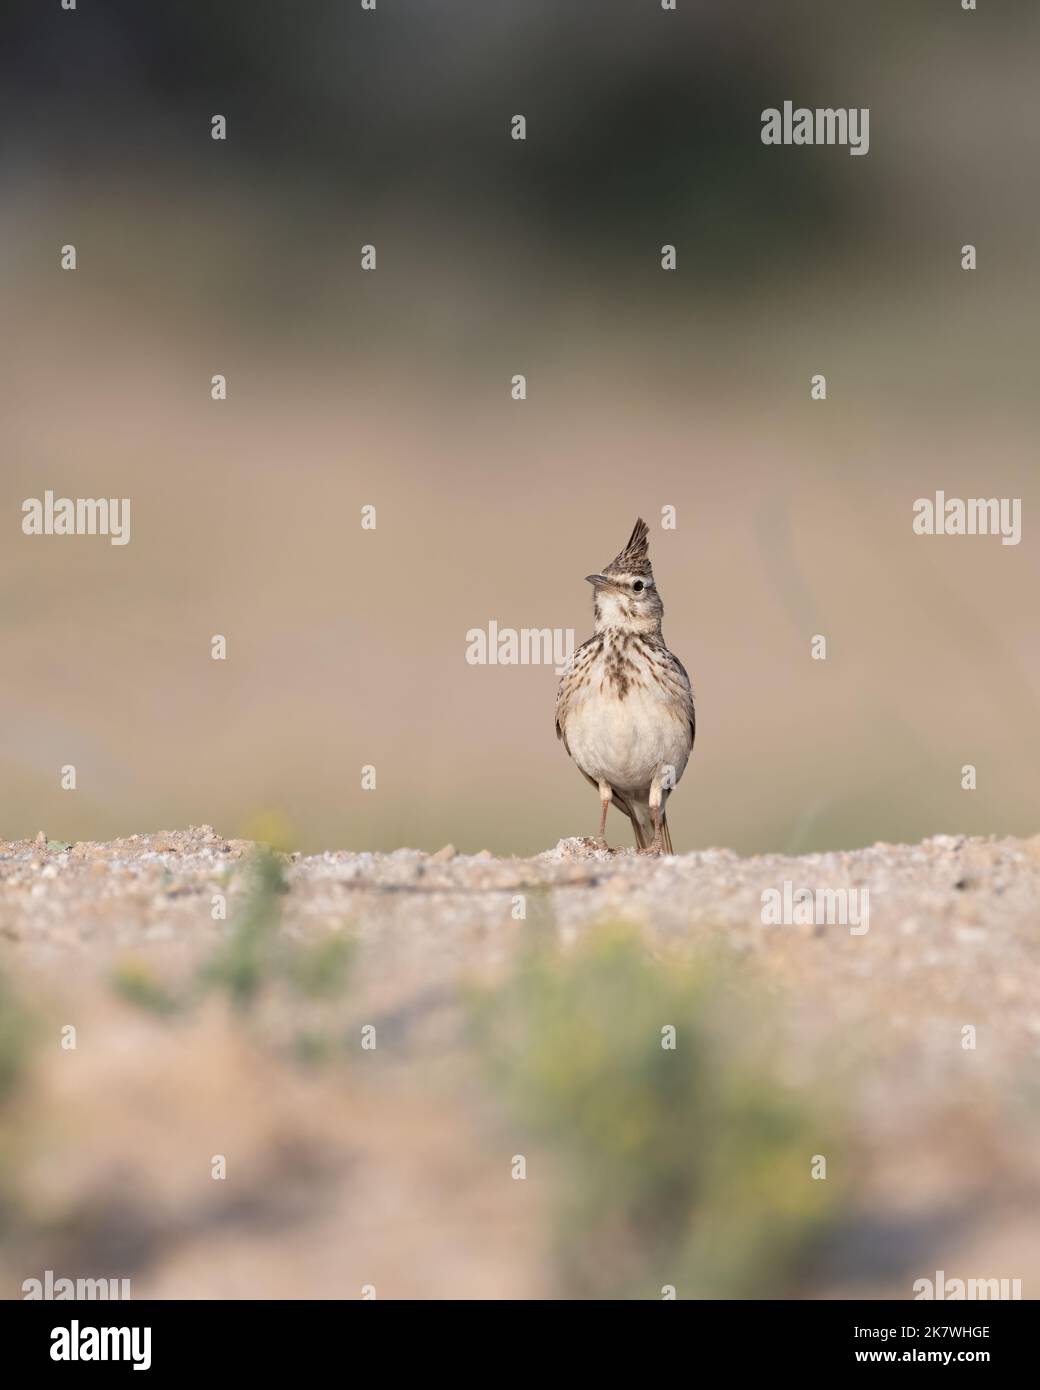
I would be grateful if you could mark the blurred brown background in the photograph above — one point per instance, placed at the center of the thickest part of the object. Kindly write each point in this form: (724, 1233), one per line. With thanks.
(645, 389)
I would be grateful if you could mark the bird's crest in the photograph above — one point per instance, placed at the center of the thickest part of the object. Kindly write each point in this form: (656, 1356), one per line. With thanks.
(635, 558)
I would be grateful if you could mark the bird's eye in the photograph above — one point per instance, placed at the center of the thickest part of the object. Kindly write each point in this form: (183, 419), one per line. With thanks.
(638, 586)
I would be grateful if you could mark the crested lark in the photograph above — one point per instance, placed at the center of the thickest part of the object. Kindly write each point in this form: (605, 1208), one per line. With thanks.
(624, 708)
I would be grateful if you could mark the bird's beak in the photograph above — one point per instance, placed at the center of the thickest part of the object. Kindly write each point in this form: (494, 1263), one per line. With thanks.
(600, 580)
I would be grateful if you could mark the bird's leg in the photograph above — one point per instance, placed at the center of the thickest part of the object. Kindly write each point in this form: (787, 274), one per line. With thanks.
(606, 792)
(658, 845)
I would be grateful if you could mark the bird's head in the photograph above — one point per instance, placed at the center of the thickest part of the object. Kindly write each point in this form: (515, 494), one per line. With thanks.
(624, 594)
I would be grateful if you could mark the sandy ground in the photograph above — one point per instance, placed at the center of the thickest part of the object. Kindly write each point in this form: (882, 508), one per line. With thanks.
(392, 1171)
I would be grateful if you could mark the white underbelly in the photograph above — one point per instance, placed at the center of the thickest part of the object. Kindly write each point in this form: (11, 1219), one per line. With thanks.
(627, 743)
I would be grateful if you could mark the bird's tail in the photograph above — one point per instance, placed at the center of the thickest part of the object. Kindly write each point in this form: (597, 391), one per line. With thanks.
(638, 813)
(666, 834)
(642, 825)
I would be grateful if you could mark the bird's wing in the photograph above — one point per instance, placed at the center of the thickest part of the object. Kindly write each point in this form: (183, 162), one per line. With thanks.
(570, 681)
(683, 691)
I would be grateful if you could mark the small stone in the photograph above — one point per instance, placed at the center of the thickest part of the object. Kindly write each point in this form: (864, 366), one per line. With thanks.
(443, 855)
(970, 935)
(40, 843)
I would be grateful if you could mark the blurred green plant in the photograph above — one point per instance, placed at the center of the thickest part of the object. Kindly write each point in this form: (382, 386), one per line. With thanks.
(249, 956)
(258, 963)
(684, 1165)
(134, 982)
(16, 1030)
(19, 1031)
